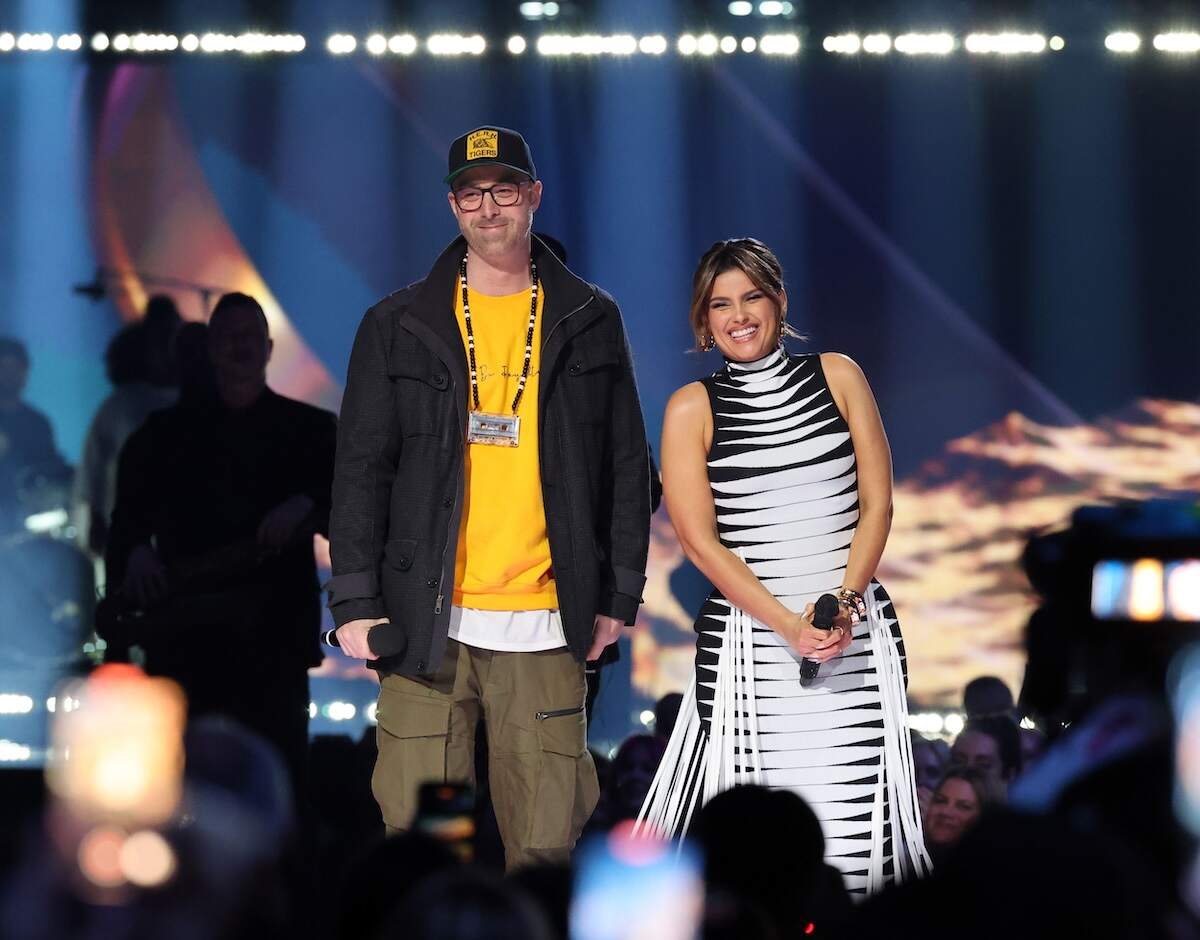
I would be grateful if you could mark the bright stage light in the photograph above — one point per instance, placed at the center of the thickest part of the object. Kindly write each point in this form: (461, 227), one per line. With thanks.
(190, 42)
(370, 713)
(845, 44)
(646, 718)
(707, 44)
(587, 45)
(376, 44)
(35, 42)
(69, 42)
(339, 711)
(11, 752)
(312, 710)
(1057, 44)
(741, 8)
(404, 44)
(120, 42)
(687, 44)
(954, 723)
(925, 44)
(728, 44)
(770, 8)
(13, 703)
(455, 44)
(749, 44)
(780, 44)
(653, 45)
(1005, 43)
(536, 11)
(516, 44)
(1179, 43)
(1123, 42)
(877, 43)
(8, 42)
(341, 44)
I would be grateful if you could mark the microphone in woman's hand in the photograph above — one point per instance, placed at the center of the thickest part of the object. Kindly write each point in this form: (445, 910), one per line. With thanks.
(824, 614)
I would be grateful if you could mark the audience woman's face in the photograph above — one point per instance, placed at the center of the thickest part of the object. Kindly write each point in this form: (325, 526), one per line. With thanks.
(743, 320)
(953, 810)
(980, 752)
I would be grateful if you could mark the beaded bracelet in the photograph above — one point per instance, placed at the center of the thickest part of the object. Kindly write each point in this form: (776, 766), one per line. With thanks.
(853, 602)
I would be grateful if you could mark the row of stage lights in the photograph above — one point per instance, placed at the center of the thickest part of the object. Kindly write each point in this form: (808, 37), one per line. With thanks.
(562, 44)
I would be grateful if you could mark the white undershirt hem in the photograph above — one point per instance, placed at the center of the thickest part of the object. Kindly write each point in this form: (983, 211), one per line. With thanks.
(507, 631)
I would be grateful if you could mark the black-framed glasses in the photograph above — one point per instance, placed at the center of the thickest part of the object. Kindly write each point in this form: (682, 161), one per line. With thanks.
(470, 198)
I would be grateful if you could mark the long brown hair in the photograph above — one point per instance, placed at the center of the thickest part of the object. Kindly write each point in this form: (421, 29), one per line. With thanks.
(752, 258)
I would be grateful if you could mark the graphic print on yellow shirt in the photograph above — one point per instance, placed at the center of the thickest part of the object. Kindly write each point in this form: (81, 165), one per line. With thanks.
(503, 560)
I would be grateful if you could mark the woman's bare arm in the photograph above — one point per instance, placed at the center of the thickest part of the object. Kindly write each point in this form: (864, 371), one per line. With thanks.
(853, 397)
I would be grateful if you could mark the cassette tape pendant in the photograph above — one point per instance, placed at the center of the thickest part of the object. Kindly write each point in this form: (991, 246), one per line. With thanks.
(486, 428)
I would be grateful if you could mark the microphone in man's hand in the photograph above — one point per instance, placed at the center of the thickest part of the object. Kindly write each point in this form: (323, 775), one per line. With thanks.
(824, 614)
(383, 639)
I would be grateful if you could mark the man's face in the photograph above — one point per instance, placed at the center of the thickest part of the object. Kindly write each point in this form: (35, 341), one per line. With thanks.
(239, 346)
(493, 229)
(978, 751)
(13, 373)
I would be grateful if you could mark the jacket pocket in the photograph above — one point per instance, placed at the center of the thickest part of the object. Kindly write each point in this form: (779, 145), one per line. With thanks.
(421, 399)
(401, 553)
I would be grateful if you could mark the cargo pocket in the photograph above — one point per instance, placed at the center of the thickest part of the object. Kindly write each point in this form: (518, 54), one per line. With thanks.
(411, 734)
(567, 789)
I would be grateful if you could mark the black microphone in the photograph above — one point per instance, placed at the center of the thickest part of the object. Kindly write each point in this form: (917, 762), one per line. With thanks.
(823, 616)
(383, 639)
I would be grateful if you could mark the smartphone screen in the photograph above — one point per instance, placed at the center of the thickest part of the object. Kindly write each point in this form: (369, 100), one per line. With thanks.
(1146, 589)
(630, 888)
(446, 811)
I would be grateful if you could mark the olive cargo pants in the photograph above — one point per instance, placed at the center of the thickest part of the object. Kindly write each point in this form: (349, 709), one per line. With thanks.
(543, 781)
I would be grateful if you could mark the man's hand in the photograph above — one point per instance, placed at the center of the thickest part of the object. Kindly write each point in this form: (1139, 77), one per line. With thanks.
(604, 632)
(352, 637)
(145, 576)
(282, 522)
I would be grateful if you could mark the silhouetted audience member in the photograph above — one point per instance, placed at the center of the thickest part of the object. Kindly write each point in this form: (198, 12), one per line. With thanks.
(957, 803)
(766, 848)
(991, 746)
(189, 353)
(377, 880)
(466, 904)
(27, 452)
(212, 540)
(549, 887)
(666, 711)
(628, 781)
(128, 362)
(161, 321)
(987, 697)
(1033, 744)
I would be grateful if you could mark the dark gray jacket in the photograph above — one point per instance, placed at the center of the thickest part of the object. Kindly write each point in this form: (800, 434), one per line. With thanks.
(398, 480)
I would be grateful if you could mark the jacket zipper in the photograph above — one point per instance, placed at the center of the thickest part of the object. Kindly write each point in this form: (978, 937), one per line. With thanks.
(437, 607)
(559, 713)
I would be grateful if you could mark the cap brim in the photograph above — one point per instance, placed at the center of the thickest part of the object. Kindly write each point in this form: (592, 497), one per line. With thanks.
(470, 166)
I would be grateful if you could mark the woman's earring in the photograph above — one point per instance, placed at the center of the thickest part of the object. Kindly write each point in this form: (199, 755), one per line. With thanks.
(709, 344)
(782, 321)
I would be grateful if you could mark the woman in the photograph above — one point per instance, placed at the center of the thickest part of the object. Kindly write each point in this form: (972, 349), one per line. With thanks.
(777, 476)
(962, 796)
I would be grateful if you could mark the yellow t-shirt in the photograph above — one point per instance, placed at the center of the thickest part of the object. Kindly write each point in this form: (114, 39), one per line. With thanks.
(503, 560)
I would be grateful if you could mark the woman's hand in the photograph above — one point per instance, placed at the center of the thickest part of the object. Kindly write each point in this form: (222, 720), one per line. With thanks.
(815, 644)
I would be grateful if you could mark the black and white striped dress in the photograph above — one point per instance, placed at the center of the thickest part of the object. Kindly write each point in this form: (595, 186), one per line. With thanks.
(784, 484)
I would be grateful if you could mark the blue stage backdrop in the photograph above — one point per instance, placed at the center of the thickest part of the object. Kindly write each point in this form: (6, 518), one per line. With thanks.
(1007, 248)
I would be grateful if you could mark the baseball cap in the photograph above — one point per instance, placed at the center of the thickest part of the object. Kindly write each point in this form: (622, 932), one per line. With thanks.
(489, 145)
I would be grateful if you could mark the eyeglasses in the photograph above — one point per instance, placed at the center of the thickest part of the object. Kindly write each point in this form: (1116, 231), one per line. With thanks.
(470, 198)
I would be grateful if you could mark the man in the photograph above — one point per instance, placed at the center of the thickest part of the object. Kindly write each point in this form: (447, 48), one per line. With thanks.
(490, 509)
(28, 457)
(211, 538)
(992, 746)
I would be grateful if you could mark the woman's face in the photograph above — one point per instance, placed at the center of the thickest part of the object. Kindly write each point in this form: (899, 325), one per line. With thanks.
(743, 321)
(952, 812)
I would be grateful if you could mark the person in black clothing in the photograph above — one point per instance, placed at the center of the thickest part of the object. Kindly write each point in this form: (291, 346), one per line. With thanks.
(27, 448)
(216, 505)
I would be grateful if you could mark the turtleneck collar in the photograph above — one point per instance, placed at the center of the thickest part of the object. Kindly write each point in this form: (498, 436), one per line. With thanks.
(753, 370)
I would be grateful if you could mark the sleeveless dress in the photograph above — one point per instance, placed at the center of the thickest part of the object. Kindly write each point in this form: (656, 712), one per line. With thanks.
(784, 484)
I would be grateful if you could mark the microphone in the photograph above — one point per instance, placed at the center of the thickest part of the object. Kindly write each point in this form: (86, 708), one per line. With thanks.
(823, 617)
(383, 639)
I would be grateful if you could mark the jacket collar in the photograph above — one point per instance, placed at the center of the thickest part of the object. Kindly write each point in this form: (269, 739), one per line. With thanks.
(431, 311)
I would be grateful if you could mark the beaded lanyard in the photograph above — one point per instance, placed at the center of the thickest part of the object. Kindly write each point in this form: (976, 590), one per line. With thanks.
(482, 427)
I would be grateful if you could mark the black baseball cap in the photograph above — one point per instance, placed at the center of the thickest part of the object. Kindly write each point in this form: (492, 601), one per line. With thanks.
(490, 146)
